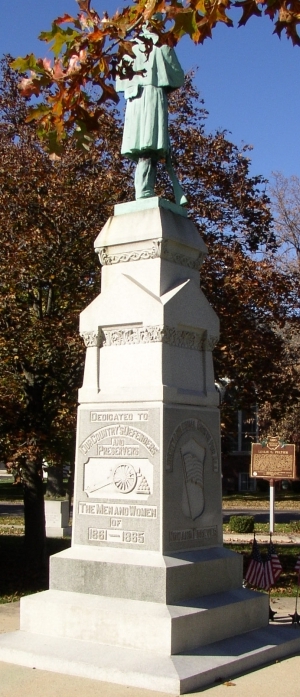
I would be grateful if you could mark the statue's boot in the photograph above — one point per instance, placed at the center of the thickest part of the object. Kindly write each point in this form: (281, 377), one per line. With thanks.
(180, 197)
(145, 176)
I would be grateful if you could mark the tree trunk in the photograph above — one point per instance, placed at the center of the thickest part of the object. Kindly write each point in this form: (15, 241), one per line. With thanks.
(35, 528)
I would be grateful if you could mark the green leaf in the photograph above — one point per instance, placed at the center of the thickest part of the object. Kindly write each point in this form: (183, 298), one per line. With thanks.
(24, 64)
(185, 23)
(58, 37)
(54, 144)
(38, 112)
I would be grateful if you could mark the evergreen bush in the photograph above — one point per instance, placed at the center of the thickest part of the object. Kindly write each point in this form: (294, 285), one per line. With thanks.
(241, 523)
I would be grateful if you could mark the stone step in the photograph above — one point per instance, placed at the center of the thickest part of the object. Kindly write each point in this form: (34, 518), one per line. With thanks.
(166, 629)
(145, 575)
(139, 668)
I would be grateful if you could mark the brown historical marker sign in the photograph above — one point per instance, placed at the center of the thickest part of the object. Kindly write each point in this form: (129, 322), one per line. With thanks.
(273, 460)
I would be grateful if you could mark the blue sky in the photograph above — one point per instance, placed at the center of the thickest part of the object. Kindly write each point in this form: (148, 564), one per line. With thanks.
(249, 79)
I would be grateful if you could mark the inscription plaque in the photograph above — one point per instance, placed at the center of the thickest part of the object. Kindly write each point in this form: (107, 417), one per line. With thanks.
(121, 536)
(115, 510)
(117, 500)
(193, 534)
(273, 460)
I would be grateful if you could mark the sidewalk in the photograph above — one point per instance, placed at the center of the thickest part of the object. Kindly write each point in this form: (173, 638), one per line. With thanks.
(261, 538)
(276, 679)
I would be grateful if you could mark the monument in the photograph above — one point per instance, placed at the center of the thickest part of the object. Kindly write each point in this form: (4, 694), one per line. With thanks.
(147, 595)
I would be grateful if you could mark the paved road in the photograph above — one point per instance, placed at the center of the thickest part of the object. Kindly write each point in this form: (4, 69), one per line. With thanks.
(9, 508)
(262, 515)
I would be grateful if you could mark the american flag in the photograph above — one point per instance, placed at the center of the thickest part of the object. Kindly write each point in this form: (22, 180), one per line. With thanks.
(276, 565)
(268, 569)
(297, 568)
(255, 573)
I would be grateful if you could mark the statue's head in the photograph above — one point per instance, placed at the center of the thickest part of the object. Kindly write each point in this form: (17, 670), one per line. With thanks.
(149, 30)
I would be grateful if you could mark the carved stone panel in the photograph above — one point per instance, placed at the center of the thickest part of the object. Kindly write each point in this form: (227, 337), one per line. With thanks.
(192, 479)
(117, 499)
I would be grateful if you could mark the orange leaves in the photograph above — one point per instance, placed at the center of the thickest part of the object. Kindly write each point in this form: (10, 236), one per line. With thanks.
(58, 72)
(284, 13)
(250, 9)
(90, 48)
(149, 9)
(65, 18)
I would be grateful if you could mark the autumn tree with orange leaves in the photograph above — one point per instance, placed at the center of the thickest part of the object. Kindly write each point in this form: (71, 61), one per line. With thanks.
(50, 212)
(285, 205)
(89, 49)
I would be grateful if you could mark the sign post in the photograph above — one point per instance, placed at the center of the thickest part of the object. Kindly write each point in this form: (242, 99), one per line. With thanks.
(272, 505)
(272, 460)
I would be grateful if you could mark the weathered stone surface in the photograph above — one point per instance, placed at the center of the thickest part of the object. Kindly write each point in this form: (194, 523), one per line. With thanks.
(146, 576)
(163, 629)
(139, 490)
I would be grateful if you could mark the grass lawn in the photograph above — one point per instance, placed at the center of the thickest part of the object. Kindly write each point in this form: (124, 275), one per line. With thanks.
(287, 583)
(283, 499)
(291, 528)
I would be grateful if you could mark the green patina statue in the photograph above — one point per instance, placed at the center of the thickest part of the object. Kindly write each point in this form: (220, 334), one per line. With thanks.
(145, 137)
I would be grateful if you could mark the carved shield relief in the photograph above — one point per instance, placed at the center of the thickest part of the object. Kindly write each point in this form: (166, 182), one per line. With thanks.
(193, 457)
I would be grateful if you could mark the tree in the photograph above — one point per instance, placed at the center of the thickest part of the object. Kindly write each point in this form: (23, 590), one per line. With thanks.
(91, 49)
(285, 199)
(252, 295)
(285, 194)
(50, 211)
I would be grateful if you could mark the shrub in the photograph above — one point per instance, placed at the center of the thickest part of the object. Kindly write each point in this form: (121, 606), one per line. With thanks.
(241, 523)
(295, 525)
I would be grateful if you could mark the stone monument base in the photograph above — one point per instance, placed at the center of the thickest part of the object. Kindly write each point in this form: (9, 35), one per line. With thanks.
(171, 623)
(173, 674)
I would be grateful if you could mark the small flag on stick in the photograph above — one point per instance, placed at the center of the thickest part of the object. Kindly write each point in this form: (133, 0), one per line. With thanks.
(297, 568)
(276, 565)
(255, 573)
(272, 566)
(268, 569)
(295, 617)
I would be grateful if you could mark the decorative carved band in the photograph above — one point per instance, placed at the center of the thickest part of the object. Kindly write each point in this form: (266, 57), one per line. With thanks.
(133, 255)
(120, 336)
(146, 335)
(159, 249)
(90, 339)
(170, 254)
(211, 342)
